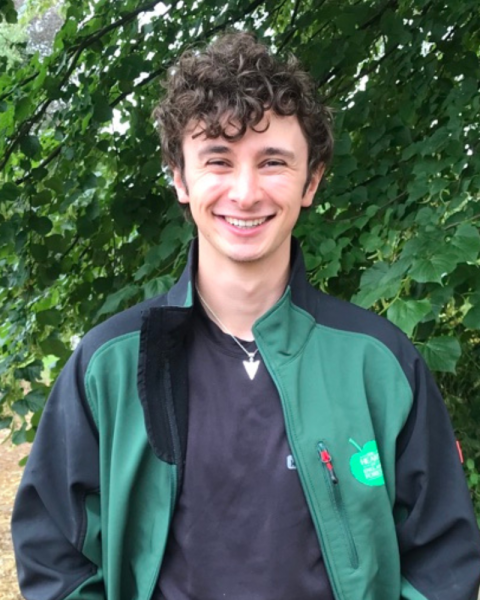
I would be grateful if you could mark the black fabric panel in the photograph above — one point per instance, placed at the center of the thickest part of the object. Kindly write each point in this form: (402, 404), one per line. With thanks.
(161, 382)
(177, 296)
(127, 321)
(49, 521)
(179, 385)
(438, 538)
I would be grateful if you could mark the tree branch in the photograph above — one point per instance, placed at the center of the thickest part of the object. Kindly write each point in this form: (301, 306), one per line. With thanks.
(77, 52)
(94, 37)
(469, 220)
(252, 6)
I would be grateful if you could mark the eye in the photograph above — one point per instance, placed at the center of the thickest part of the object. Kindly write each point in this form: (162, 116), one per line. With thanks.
(217, 162)
(273, 162)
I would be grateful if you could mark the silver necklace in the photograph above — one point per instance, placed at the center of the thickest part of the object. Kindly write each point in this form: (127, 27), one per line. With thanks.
(251, 365)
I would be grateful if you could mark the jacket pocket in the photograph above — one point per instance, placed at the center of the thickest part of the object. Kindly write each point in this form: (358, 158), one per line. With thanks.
(335, 493)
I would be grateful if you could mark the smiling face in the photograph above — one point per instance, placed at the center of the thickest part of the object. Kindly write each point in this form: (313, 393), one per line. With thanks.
(245, 196)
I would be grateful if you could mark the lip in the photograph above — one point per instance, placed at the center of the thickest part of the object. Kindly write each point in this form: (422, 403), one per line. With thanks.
(244, 231)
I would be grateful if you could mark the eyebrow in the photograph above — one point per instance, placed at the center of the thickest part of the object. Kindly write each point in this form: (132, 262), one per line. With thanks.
(267, 151)
(274, 151)
(214, 149)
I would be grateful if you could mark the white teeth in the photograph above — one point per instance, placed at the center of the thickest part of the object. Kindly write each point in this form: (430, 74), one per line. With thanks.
(242, 223)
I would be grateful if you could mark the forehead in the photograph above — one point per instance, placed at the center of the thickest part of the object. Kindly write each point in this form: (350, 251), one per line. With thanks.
(272, 130)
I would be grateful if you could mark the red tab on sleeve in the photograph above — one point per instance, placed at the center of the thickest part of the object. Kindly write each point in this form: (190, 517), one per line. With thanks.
(460, 453)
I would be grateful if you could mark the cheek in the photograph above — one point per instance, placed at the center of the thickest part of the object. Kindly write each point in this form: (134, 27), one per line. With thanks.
(285, 190)
(208, 189)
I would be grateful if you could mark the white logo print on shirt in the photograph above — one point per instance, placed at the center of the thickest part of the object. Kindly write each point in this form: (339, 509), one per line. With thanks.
(291, 463)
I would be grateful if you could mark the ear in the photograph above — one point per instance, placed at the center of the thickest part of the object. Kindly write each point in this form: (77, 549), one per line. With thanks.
(312, 186)
(180, 186)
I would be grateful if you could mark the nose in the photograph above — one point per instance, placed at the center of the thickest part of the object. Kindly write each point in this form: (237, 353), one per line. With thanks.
(244, 188)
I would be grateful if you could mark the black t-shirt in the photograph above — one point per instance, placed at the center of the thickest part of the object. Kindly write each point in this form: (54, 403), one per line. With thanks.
(241, 529)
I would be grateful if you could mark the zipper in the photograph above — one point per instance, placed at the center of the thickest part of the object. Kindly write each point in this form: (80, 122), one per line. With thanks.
(335, 493)
(304, 478)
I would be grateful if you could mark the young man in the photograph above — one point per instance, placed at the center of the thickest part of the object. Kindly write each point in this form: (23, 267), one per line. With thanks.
(245, 436)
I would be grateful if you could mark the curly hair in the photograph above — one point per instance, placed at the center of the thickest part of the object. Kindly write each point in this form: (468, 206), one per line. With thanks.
(230, 85)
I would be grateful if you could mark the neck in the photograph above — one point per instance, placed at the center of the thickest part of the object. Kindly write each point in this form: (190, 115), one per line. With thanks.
(240, 293)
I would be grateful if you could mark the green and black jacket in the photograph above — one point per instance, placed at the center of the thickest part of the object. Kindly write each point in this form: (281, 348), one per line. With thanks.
(369, 432)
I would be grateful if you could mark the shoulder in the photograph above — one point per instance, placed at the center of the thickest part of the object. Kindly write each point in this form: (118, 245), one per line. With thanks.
(342, 316)
(116, 328)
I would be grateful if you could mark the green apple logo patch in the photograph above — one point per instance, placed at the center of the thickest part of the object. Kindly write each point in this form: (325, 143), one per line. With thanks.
(365, 464)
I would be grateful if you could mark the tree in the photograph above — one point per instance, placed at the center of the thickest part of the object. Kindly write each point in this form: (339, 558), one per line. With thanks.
(89, 224)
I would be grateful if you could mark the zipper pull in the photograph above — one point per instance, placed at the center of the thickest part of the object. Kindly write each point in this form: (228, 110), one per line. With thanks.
(324, 456)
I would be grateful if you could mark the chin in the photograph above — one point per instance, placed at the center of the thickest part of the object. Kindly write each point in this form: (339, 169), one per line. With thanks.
(244, 258)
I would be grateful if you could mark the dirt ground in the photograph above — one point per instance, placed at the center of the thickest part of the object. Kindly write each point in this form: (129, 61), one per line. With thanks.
(10, 474)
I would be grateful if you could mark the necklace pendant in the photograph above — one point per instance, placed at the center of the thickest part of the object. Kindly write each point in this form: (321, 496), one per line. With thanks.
(251, 367)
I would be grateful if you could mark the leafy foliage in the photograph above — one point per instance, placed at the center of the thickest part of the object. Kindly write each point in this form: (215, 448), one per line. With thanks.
(89, 224)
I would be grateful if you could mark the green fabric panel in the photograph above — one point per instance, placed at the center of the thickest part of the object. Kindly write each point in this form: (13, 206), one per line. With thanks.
(189, 296)
(337, 386)
(137, 488)
(92, 545)
(409, 592)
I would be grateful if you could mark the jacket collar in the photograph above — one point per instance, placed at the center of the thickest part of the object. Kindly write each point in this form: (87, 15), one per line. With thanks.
(181, 294)
(284, 328)
(282, 332)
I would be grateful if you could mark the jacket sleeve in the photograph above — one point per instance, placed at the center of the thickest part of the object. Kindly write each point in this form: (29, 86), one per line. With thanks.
(56, 516)
(437, 532)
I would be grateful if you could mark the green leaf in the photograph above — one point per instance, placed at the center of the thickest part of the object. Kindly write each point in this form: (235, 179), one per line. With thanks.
(20, 407)
(439, 297)
(56, 242)
(54, 346)
(86, 226)
(102, 112)
(41, 225)
(20, 436)
(50, 317)
(30, 145)
(9, 192)
(380, 281)
(23, 106)
(466, 242)
(157, 286)
(35, 400)
(152, 168)
(114, 301)
(39, 252)
(7, 10)
(441, 353)
(417, 189)
(55, 184)
(343, 144)
(5, 422)
(30, 435)
(433, 269)
(472, 318)
(30, 372)
(41, 198)
(406, 314)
